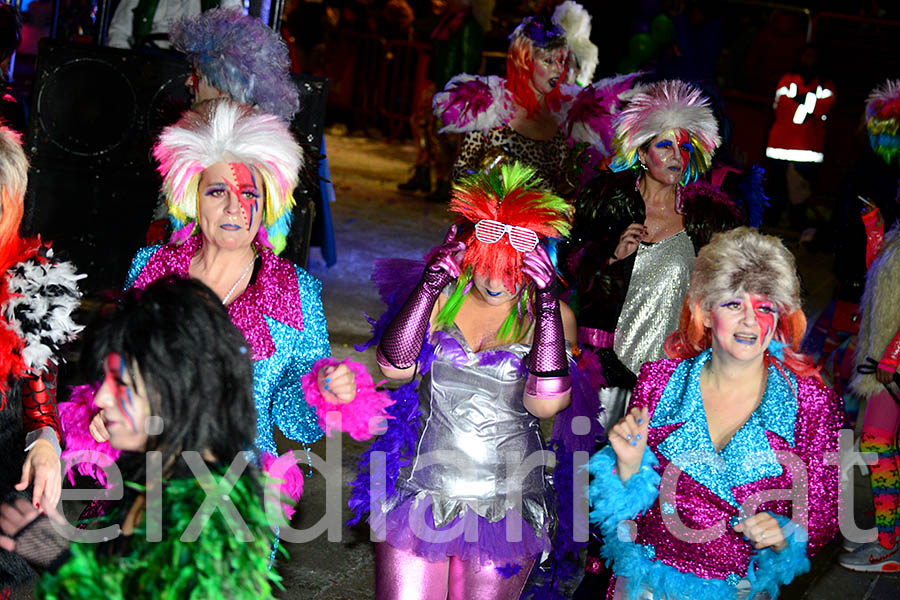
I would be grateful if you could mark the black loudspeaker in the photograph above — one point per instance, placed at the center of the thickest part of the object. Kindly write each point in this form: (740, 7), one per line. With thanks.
(95, 112)
(307, 126)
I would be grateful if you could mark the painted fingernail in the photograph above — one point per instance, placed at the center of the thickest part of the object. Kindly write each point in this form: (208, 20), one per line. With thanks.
(634, 443)
(327, 379)
(638, 436)
(640, 421)
(628, 437)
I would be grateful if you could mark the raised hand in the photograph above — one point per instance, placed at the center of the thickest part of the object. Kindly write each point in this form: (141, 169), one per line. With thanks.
(444, 265)
(402, 340)
(628, 439)
(537, 265)
(629, 241)
(763, 530)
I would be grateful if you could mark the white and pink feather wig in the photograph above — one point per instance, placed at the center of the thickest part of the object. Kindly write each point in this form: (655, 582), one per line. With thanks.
(661, 107)
(224, 130)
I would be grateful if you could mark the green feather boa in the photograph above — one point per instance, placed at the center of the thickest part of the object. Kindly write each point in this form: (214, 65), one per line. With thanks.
(216, 565)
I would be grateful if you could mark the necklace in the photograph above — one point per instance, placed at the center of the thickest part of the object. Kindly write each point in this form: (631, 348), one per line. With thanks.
(239, 279)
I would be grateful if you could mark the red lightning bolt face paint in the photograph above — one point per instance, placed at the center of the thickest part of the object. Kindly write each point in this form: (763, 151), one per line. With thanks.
(244, 187)
(685, 147)
(765, 315)
(742, 326)
(121, 392)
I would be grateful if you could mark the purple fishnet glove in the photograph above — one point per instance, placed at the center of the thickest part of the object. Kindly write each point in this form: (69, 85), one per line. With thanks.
(548, 368)
(402, 340)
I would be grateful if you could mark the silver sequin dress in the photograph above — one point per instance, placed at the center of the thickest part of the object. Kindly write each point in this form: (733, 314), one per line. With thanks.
(659, 283)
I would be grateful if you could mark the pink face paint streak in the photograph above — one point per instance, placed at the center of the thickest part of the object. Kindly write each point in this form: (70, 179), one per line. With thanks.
(245, 181)
(765, 318)
(115, 377)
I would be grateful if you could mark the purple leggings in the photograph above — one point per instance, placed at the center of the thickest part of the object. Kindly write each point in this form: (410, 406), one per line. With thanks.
(400, 575)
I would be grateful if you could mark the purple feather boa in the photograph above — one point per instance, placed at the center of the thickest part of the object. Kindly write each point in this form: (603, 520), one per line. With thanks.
(398, 444)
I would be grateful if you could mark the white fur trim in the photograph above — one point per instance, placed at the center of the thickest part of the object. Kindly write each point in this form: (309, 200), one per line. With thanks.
(880, 309)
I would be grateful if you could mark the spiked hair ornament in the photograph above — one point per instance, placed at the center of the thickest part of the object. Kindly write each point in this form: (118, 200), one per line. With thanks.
(513, 196)
(659, 108)
(576, 21)
(241, 56)
(227, 131)
(883, 120)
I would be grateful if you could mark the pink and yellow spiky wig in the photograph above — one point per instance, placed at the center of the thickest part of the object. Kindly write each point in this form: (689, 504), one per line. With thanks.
(883, 120)
(734, 263)
(532, 33)
(512, 194)
(659, 108)
(226, 131)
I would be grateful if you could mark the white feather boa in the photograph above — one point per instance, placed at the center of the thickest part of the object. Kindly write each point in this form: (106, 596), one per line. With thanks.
(44, 296)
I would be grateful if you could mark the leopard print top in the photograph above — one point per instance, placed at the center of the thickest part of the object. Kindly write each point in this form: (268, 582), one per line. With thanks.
(480, 148)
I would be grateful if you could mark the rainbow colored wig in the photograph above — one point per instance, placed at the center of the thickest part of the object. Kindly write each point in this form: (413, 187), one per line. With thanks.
(659, 108)
(512, 194)
(226, 131)
(533, 32)
(883, 120)
(241, 56)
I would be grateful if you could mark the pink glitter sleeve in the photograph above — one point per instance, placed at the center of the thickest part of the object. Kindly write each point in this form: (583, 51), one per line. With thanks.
(819, 418)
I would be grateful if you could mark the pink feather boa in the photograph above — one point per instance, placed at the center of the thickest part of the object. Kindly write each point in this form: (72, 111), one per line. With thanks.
(283, 471)
(368, 407)
(74, 418)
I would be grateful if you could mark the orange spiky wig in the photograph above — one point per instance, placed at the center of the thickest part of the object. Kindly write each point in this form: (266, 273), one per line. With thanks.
(532, 33)
(511, 194)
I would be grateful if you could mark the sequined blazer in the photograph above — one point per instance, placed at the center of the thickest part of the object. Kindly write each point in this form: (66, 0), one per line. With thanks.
(687, 497)
(281, 316)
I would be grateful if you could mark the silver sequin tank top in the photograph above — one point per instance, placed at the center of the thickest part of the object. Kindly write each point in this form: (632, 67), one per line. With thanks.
(659, 283)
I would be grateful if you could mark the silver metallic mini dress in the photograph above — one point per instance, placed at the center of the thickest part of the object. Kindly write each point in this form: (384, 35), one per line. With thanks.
(480, 452)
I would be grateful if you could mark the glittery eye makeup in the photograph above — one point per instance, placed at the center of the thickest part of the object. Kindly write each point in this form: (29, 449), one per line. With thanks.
(121, 391)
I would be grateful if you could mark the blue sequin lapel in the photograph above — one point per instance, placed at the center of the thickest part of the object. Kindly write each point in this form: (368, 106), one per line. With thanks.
(748, 457)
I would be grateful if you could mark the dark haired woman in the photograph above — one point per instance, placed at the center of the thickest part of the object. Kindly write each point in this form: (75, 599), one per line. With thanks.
(177, 399)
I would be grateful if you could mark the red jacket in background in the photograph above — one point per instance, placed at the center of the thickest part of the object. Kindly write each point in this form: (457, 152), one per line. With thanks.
(798, 133)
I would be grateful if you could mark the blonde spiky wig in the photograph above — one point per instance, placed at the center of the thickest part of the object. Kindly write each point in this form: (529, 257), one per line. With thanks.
(661, 107)
(226, 131)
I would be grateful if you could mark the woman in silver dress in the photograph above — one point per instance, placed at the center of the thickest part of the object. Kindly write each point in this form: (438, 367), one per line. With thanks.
(467, 507)
(637, 229)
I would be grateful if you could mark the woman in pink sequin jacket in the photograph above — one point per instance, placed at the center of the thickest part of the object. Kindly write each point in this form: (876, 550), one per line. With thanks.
(716, 484)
